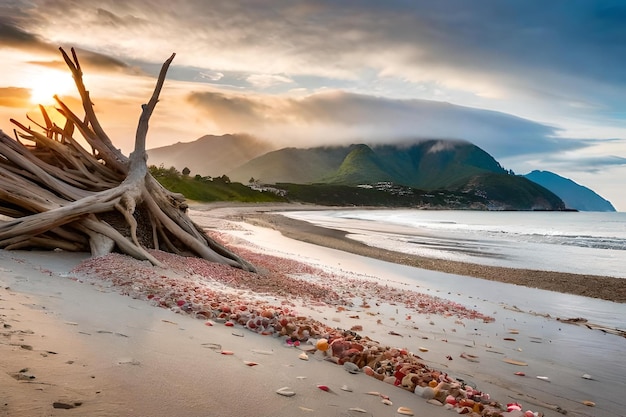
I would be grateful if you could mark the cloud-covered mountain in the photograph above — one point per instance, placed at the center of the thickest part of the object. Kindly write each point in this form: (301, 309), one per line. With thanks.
(575, 196)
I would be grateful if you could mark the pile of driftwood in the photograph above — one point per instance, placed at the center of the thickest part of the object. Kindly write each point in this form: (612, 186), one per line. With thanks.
(61, 195)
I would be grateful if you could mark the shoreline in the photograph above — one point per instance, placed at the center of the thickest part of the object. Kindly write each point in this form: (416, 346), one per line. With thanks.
(594, 286)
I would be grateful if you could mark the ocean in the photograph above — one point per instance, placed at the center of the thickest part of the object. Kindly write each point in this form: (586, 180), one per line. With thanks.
(577, 242)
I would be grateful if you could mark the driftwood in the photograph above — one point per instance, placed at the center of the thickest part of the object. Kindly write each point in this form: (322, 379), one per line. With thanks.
(62, 196)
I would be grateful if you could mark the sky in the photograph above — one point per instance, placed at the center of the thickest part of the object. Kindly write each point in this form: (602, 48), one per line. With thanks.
(536, 84)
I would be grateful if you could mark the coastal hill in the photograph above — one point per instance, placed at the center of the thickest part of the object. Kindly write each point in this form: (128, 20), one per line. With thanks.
(429, 165)
(209, 155)
(575, 196)
(428, 173)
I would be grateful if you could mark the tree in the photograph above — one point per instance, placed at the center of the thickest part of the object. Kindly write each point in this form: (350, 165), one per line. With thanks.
(61, 195)
(186, 171)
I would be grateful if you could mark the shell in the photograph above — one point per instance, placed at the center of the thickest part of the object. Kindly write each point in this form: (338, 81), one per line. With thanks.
(324, 388)
(227, 352)
(359, 410)
(303, 356)
(285, 392)
(589, 403)
(322, 345)
(346, 388)
(386, 401)
(249, 363)
(406, 411)
(263, 352)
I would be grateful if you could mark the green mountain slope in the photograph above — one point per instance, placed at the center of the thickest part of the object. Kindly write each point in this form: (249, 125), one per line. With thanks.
(428, 165)
(361, 166)
(300, 166)
(512, 192)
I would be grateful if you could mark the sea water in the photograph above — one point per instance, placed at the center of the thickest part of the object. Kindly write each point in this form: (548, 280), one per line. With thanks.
(577, 242)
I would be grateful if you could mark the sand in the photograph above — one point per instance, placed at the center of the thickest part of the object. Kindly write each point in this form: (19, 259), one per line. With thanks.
(76, 343)
(103, 354)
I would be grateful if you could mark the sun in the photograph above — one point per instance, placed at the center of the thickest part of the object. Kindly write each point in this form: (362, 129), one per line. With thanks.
(45, 85)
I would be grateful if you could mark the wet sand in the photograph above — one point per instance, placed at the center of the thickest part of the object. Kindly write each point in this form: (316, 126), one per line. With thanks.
(606, 288)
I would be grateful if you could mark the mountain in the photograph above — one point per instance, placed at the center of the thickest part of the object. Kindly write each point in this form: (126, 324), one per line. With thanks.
(454, 166)
(575, 196)
(428, 164)
(437, 173)
(209, 155)
(291, 165)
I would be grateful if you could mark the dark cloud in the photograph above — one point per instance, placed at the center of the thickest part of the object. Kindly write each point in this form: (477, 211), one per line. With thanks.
(13, 36)
(14, 97)
(90, 61)
(382, 120)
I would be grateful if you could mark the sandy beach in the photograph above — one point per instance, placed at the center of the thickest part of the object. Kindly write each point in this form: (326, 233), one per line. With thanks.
(113, 336)
(606, 288)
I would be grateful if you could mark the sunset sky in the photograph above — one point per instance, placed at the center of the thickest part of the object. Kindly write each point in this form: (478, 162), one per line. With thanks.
(537, 84)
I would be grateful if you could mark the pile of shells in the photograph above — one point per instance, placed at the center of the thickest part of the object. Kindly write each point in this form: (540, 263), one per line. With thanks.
(262, 303)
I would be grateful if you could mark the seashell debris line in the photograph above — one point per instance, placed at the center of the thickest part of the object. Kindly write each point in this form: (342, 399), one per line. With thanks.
(264, 303)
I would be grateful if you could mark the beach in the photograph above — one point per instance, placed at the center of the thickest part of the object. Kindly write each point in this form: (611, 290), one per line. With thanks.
(606, 288)
(114, 336)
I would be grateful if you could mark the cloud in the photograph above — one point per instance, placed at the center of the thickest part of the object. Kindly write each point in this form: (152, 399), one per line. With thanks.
(263, 81)
(14, 97)
(14, 37)
(91, 62)
(211, 75)
(11, 36)
(582, 163)
(240, 114)
(329, 117)
(550, 58)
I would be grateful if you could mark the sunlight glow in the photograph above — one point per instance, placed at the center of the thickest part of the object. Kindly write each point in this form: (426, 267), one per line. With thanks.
(44, 86)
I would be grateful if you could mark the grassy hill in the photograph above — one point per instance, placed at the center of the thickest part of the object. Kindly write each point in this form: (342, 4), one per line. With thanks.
(207, 189)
